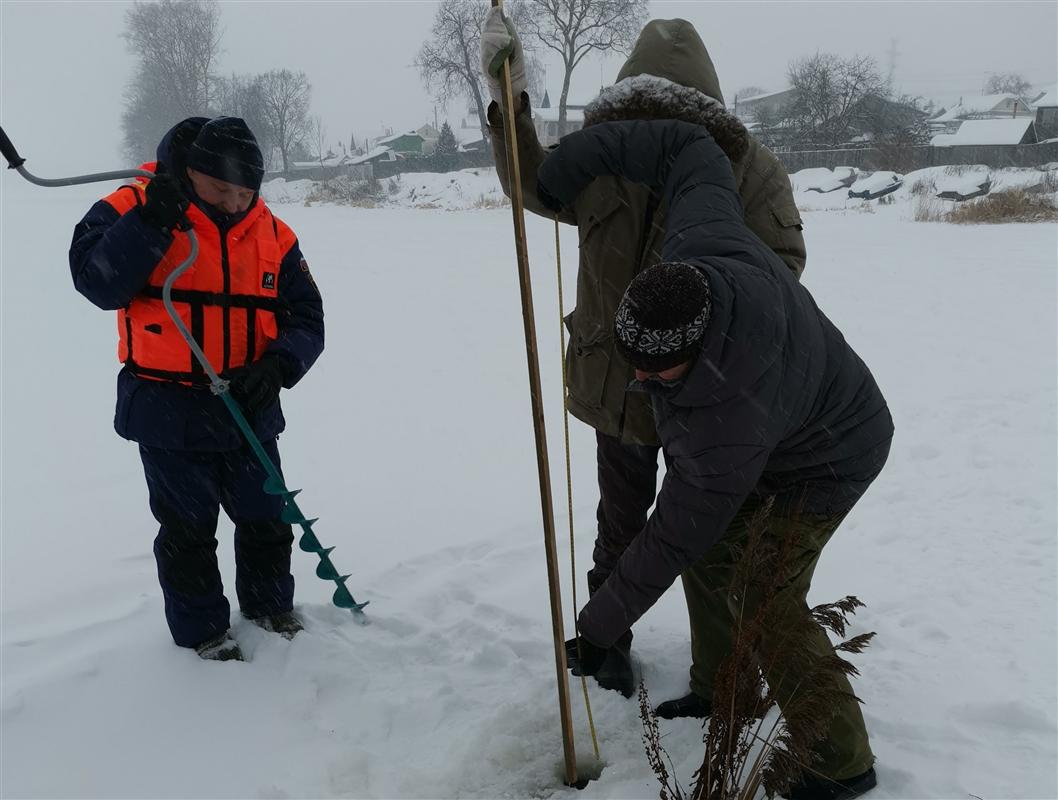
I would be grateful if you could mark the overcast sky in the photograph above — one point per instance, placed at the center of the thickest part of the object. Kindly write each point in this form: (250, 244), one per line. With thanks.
(63, 65)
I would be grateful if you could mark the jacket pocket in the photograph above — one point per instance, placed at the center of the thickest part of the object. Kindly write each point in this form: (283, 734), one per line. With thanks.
(588, 359)
(791, 243)
(787, 216)
(594, 206)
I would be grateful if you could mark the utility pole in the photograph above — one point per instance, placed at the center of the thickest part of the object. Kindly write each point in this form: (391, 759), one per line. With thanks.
(892, 62)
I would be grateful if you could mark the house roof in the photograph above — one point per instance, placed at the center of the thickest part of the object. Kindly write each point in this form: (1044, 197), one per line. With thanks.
(396, 136)
(371, 155)
(979, 104)
(1049, 100)
(986, 131)
(765, 96)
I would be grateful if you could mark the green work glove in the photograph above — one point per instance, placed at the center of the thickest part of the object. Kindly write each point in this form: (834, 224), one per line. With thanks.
(499, 42)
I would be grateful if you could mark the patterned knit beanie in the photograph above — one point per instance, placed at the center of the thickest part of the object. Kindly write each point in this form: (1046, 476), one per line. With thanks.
(662, 317)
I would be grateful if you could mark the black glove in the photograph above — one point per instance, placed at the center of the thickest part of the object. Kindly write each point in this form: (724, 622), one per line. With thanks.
(166, 202)
(589, 660)
(257, 386)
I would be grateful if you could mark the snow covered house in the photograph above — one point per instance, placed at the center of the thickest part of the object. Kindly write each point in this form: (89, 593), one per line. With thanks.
(429, 135)
(403, 144)
(548, 129)
(374, 155)
(764, 106)
(988, 106)
(1047, 116)
(978, 132)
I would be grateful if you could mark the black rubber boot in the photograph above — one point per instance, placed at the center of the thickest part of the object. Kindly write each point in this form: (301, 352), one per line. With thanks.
(816, 787)
(690, 705)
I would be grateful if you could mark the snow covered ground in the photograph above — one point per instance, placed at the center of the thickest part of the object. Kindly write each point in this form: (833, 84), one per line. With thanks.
(413, 442)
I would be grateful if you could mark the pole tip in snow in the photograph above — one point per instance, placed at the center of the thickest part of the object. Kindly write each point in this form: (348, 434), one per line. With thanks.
(586, 773)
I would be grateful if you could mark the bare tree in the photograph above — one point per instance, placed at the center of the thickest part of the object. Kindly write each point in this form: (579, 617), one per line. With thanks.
(829, 89)
(575, 28)
(1007, 83)
(176, 45)
(243, 96)
(285, 95)
(449, 61)
(747, 92)
(318, 132)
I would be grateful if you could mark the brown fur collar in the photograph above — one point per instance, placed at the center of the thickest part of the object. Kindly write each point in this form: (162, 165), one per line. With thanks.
(651, 97)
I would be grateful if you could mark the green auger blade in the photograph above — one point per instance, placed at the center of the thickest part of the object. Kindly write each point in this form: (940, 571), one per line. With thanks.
(343, 599)
(325, 570)
(273, 485)
(292, 515)
(310, 544)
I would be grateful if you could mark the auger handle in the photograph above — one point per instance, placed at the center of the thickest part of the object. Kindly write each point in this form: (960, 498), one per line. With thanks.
(14, 160)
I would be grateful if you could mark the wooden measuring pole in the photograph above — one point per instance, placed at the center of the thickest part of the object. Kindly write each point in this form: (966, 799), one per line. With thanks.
(543, 468)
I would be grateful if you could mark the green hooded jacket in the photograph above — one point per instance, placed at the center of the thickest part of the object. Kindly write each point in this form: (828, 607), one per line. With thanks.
(669, 75)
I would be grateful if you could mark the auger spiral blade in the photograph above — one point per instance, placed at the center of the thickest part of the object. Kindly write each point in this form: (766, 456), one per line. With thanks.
(309, 543)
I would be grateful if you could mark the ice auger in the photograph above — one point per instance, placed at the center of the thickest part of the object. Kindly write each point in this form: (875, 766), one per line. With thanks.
(274, 484)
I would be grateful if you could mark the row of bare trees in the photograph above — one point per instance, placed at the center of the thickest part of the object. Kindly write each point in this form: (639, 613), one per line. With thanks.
(177, 44)
(833, 100)
(448, 60)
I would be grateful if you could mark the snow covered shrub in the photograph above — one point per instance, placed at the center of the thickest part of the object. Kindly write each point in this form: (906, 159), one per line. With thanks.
(1014, 205)
(928, 208)
(489, 201)
(347, 191)
(924, 187)
(746, 753)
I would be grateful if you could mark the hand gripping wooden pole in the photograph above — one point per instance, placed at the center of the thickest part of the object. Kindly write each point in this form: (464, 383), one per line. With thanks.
(543, 468)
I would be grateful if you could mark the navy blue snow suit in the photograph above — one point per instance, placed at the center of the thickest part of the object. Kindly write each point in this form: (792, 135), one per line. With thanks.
(194, 457)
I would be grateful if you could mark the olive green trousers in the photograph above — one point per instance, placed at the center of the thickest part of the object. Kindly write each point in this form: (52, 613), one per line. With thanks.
(707, 585)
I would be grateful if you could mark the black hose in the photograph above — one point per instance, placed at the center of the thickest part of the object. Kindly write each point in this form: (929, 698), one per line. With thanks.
(14, 160)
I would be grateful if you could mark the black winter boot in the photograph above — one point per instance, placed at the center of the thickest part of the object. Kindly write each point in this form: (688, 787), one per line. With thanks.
(690, 705)
(816, 787)
(220, 648)
(286, 624)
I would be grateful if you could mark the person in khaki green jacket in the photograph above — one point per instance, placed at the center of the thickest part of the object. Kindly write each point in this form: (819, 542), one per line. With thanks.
(669, 75)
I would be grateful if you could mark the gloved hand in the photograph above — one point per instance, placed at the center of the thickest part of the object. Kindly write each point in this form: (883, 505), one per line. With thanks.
(256, 387)
(589, 660)
(498, 42)
(166, 202)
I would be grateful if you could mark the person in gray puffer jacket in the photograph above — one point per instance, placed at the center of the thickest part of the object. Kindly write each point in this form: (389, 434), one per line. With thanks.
(757, 396)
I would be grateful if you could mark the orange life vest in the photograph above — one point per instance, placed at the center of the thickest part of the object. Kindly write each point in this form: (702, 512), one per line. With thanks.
(228, 298)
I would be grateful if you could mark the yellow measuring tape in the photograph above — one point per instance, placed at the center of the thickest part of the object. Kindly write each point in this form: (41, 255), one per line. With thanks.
(569, 480)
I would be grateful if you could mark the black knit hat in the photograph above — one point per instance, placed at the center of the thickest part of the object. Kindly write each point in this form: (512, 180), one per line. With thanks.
(226, 149)
(662, 317)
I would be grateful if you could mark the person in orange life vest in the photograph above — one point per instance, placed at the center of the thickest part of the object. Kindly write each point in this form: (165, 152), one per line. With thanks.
(254, 308)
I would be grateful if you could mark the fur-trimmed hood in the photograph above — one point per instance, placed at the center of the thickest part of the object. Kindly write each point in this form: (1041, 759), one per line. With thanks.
(669, 75)
(652, 97)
